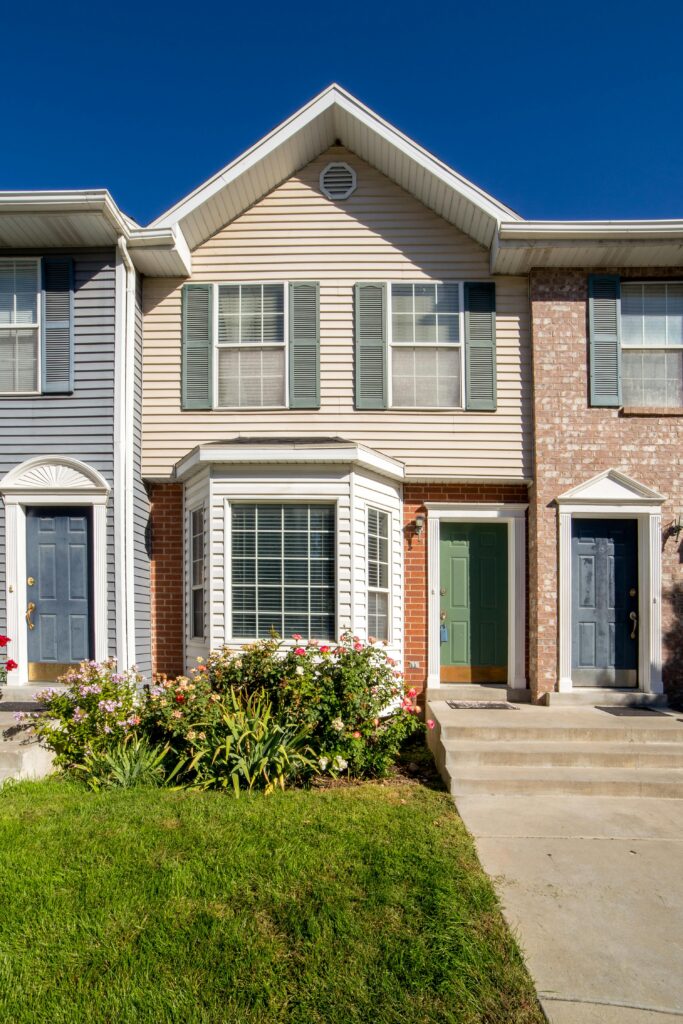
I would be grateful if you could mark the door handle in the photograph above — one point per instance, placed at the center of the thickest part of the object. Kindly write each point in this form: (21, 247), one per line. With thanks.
(634, 619)
(31, 608)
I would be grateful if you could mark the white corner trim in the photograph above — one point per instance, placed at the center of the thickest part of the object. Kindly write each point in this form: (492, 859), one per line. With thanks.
(51, 480)
(514, 516)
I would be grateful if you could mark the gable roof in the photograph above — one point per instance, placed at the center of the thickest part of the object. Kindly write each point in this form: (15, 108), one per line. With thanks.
(332, 115)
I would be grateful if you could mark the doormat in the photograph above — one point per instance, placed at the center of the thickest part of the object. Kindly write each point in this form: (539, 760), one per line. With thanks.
(481, 705)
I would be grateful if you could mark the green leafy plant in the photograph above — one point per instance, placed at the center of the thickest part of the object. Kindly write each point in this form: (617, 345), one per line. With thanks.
(132, 762)
(98, 708)
(249, 747)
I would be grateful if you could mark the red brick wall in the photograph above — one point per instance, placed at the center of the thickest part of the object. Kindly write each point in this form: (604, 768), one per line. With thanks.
(572, 443)
(415, 551)
(167, 578)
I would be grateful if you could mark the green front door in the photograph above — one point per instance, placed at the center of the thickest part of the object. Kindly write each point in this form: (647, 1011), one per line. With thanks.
(474, 602)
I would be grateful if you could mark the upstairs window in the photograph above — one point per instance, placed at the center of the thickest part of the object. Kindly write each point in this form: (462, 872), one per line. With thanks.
(652, 344)
(251, 345)
(19, 326)
(426, 352)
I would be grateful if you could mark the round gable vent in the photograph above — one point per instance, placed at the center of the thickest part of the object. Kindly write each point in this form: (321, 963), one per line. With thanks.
(338, 181)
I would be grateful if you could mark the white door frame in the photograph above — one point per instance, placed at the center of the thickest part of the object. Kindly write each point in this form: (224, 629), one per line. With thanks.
(613, 495)
(51, 480)
(514, 517)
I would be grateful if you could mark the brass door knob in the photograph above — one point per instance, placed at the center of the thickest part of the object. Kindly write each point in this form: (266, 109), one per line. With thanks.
(30, 581)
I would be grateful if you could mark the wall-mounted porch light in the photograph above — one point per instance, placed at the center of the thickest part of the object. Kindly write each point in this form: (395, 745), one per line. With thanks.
(677, 525)
(419, 524)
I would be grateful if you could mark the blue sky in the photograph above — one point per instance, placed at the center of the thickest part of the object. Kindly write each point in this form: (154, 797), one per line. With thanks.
(560, 111)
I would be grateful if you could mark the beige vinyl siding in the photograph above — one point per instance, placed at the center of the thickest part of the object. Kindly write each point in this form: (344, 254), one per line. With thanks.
(379, 233)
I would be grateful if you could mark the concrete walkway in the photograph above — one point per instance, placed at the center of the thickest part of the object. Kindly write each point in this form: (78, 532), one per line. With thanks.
(593, 888)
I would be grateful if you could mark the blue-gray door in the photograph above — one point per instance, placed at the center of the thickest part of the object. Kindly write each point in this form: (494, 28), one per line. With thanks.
(604, 602)
(58, 587)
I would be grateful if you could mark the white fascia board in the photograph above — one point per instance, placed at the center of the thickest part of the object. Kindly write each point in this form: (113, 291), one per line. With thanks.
(334, 96)
(346, 455)
(587, 231)
(169, 241)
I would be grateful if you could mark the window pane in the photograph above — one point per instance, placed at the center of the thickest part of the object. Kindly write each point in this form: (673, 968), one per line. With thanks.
(18, 361)
(654, 310)
(198, 613)
(378, 574)
(652, 378)
(403, 328)
(18, 292)
(448, 298)
(425, 328)
(425, 298)
(674, 314)
(251, 299)
(273, 298)
(402, 298)
(251, 378)
(632, 314)
(251, 314)
(428, 377)
(378, 615)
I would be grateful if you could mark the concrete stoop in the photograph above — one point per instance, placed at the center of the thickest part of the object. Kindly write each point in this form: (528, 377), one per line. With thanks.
(581, 751)
(21, 756)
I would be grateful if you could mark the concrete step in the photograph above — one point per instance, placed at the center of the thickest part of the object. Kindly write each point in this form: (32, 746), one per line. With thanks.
(557, 733)
(462, 755)
(605, 697)
(576, 781)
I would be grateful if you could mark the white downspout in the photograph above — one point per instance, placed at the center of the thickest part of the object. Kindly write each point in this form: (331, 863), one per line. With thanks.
(124, 457)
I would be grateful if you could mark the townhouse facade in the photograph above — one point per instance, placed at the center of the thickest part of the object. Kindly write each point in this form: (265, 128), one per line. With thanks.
(362, 395)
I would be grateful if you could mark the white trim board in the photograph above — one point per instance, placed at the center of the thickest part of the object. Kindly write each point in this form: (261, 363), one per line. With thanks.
(59, 481)
(514, 516)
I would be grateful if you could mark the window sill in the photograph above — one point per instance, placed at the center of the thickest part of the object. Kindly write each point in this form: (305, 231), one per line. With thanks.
(651, 410)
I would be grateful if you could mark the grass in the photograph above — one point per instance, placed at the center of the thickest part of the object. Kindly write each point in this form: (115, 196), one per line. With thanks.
(355, 905)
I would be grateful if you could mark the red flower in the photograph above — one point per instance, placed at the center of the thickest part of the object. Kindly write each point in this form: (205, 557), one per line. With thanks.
(4, 640)
(180, 698)
(299, 651)
(11, 664)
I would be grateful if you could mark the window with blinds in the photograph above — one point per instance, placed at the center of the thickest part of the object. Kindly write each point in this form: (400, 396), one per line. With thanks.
(19, 325)
(197, 574)
(652, 343)
(283, 570)
(378, 574)
(426, 345)
(251, 345)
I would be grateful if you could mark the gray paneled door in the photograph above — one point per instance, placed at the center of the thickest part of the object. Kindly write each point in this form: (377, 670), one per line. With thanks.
(604, 602)
(58, 564)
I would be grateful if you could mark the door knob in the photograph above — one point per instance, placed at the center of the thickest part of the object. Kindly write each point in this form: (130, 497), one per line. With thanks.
(31, 608)
(634, 619)
(30, 581)
(443, 616)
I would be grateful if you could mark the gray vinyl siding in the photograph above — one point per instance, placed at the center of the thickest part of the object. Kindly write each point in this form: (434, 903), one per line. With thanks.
(80, 425)
(143, 623)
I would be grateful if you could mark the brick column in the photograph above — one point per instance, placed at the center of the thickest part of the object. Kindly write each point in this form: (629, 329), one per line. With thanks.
(167, 578)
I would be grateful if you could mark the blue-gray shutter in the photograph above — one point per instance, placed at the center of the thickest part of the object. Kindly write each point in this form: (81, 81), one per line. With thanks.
(371, 345)
(197, 375)
(304, 345)
(604, 323)
(480, 346)
(57, 326)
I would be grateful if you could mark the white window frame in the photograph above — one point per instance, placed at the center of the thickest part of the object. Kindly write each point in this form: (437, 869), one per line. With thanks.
(217, 346)
(379, 590)
(230, 505)
(192, 586)
(406, 344)
(37, 326)
(645, 347)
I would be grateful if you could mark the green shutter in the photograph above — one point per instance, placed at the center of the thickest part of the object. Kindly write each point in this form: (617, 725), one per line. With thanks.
(371, 346)
(197, 369)
(480, 346)
(57, 329)
(604, 321)
(304, 345)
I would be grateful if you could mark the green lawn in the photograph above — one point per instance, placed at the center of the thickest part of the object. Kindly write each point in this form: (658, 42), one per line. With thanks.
(361, 904)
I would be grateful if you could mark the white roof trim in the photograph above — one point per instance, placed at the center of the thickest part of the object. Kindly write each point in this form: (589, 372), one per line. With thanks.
(331, 99)
(292, 454)
(590, 230)
(167, 244)
(611, 486)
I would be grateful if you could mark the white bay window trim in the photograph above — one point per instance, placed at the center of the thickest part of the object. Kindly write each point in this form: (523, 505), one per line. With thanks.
(13, 327)
(219, 346)
(458, 346)
(378, 588)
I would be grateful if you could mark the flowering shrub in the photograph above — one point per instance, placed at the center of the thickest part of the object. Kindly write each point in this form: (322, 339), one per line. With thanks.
(98, 709)
(349, 696)
(6, 664)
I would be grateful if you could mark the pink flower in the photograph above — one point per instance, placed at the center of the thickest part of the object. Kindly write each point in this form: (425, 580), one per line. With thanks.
(358, 647)
(177, 714)
(372, 639)
(324, 649)
(412, 692)
(299, 650)
(430, 723)
(296, 636)
(356, 735)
